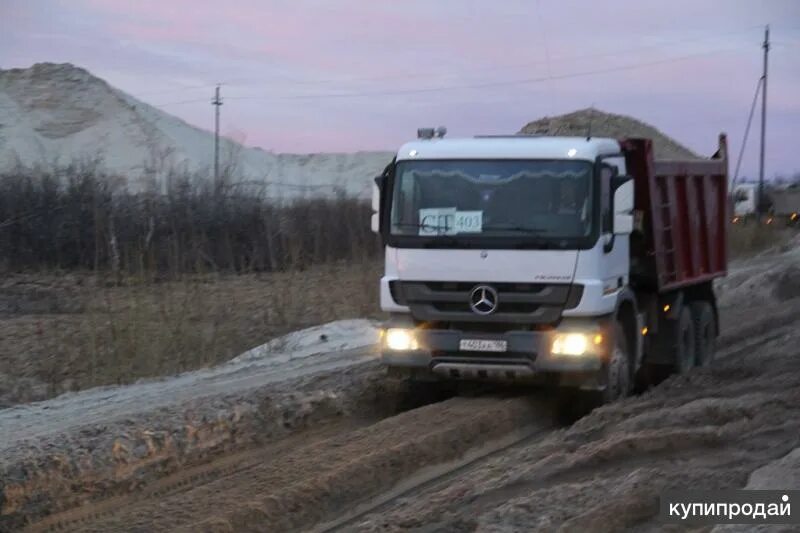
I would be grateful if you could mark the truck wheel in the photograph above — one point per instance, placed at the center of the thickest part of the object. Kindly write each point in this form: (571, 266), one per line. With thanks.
(617, 369)
(685, 343)
(615, 376)
(705, 332)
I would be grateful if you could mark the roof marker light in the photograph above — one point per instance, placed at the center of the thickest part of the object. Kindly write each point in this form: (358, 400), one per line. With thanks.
(412, 153)
(572, 152)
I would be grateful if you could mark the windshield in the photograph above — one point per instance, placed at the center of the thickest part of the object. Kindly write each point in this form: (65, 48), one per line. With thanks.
(482, 200)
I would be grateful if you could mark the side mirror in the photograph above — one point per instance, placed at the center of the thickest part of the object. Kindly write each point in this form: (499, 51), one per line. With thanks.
(377, 186)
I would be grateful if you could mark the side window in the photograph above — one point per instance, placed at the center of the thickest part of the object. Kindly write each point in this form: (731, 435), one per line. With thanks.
(408, 189)
(402, 212)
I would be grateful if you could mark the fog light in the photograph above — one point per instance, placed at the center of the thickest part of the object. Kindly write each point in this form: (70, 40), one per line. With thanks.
(400, 339)
(570, 344)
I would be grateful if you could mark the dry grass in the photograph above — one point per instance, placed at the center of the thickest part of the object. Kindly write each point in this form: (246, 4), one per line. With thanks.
(61, 333)
(749, 239)
(73, 331)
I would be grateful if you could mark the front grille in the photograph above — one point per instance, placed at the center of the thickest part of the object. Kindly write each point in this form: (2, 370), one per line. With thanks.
(486, 327)
(510, 307)
(500, 287)
(517, 303)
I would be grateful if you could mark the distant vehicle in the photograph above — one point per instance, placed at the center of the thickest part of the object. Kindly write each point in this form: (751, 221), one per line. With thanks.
(745, 201)
(786, 205)
(571, 261)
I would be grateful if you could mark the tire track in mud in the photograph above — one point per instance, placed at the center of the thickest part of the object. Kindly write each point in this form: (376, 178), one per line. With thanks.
(670, 441)
(605, 473)
(184, 480)
(337, 478)
(311, 481)
(431, 477)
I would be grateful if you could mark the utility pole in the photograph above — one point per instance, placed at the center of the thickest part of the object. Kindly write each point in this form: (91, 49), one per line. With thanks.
(763, 125)
(216, 102)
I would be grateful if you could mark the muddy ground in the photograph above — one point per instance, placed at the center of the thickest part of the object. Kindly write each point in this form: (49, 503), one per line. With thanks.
(324, 441)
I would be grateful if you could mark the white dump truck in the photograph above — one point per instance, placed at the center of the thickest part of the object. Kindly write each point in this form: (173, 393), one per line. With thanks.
(572, 261)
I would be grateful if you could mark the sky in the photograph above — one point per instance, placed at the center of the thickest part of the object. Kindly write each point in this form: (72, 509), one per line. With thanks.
(349, 75)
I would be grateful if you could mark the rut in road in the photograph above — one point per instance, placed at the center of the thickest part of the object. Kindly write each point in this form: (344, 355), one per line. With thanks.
(708, 430)
(302, 484)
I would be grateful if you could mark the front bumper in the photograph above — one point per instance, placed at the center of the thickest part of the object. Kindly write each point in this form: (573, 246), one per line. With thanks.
(528, 353)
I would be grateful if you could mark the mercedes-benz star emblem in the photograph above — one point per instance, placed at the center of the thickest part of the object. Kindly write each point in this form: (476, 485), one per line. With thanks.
(483, 300)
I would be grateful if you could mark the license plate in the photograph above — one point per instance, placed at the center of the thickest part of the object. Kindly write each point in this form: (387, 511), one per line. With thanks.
(479, 345)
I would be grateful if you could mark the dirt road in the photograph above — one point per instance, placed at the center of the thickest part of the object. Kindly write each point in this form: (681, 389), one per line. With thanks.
(340, 452)
(605, 473)
(493, 462)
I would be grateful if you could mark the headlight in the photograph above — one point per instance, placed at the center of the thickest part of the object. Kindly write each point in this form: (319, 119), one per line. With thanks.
(575, 344)
(400, 339)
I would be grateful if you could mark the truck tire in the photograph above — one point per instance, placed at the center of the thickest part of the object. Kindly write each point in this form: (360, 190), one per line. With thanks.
(685, 355)
(618, 368)
(573, 404)
(705, 332)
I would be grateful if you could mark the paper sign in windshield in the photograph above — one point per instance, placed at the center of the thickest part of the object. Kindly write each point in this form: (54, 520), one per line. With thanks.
(449, 221)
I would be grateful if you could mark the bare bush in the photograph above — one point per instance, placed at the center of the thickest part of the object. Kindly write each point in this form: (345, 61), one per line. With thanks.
(75, 219)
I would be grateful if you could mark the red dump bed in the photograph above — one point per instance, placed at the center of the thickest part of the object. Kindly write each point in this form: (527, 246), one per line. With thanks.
(680, 212)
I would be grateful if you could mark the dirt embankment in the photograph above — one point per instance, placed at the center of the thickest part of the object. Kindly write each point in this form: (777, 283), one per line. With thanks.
(82, 447)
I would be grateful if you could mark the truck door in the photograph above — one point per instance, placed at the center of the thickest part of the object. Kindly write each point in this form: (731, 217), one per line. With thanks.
(615, 266)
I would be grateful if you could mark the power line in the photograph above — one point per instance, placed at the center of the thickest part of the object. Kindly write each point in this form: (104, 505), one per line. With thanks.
(417, 75)
(169, 91)
(527, 64)
(466, 86)
(546, 50)
(427, 75)
(505, 83)
(484, 85)
(180, 102)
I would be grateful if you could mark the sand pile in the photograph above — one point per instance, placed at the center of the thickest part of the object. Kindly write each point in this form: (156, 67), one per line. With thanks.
(608, 125)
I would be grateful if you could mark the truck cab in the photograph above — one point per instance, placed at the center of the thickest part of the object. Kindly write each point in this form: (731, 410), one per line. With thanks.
(745, 205)
(510, 258)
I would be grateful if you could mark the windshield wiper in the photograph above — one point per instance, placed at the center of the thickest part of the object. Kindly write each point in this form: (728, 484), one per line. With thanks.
(511, 227)
(444, 241)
